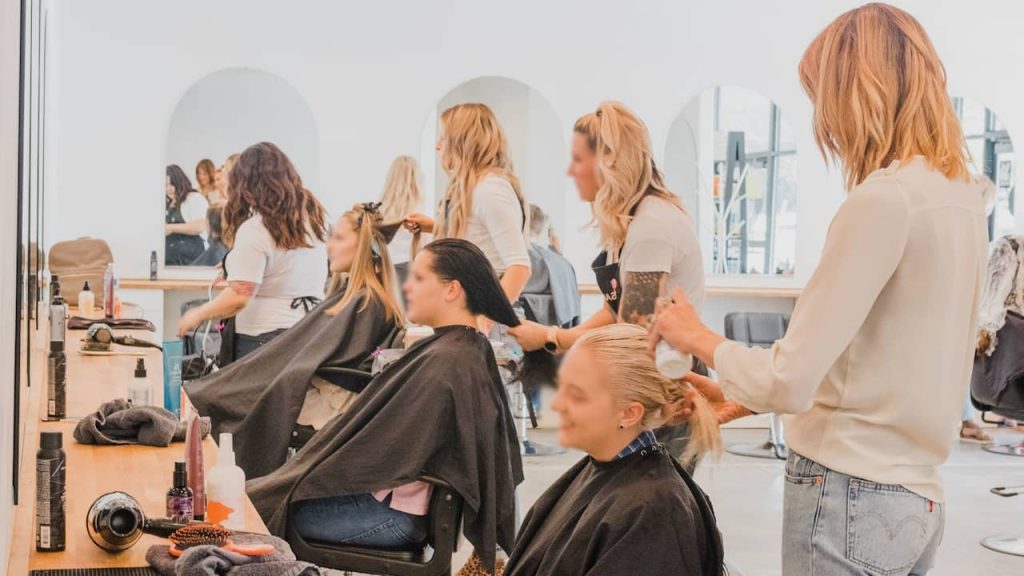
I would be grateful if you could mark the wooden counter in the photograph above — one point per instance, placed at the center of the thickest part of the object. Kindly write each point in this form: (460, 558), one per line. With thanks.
(164, 284)
(141, 471)
(726, 291)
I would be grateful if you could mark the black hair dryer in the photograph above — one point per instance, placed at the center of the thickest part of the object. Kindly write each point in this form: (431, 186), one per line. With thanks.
(115, 522)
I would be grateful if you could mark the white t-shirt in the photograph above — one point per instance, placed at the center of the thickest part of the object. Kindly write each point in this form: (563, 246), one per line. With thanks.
(496, 224)
(193, 208)
(662, 238)
(282, 275)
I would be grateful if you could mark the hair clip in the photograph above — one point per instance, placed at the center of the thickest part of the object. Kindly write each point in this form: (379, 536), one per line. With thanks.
(372, 207)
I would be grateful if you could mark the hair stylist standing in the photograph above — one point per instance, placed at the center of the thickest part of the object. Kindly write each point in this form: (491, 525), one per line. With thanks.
(483, 202)
(184, 219)
(886, 324)
(649, 240)
(277, 267)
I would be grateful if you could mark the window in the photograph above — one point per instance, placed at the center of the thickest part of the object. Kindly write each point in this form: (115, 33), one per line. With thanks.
(992, 156)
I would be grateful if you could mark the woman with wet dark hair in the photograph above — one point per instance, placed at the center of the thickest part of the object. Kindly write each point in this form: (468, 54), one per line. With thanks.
(184, 219)
(277, 268)
(355, 482)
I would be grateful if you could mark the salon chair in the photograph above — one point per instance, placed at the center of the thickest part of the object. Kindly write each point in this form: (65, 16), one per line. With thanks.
(435, 559)
(760, 329)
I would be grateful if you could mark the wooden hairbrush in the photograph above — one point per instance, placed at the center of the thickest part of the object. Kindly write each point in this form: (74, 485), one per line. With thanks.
(200, 534)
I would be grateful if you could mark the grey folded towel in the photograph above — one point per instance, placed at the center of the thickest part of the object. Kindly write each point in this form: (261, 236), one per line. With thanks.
(214, 561)
(118, 422)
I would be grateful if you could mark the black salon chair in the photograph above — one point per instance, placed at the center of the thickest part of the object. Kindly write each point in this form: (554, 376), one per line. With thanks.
(760, 329)
(435, 559)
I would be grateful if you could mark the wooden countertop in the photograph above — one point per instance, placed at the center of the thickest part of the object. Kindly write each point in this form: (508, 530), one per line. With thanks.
(141, 471)
(727, 291)
(164, 284)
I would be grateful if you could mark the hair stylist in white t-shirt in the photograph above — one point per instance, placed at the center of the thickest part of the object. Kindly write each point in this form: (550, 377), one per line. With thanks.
(483, 202)
(277, 266)
(650, 244)
(185, 219)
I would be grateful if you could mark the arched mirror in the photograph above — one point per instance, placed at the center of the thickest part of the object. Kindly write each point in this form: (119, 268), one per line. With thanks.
(219, 116)
(732, 157)
(991, 155)
(536, 140)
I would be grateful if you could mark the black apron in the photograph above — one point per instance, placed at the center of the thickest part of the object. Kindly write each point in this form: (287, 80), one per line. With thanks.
(181, 249)
(609, 282)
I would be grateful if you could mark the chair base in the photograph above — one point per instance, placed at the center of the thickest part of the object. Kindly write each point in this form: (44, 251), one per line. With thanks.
(1005, 543)
(1005, 449)
(531, 448)
(768, 450)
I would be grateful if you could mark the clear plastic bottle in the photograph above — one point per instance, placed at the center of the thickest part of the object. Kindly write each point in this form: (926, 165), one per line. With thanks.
(225, 488)
(140, 393)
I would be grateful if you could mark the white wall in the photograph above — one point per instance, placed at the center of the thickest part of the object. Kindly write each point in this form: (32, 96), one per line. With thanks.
(372, 72)
(10, 18)
(230, 110)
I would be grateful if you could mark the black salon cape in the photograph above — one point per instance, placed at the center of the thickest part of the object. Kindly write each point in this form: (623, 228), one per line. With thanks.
(439, 410)
(639, 515)
(258, 398)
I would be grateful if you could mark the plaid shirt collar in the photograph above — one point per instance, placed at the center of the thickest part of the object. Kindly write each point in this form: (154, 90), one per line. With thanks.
(646, 439)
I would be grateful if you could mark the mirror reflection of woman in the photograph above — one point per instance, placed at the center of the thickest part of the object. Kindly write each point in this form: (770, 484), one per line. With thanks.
(221, 178)
(276, 268)
(627, 507)
(878, 353)
(206, 178)
(402, 195)
(184, 219)
(483, 202)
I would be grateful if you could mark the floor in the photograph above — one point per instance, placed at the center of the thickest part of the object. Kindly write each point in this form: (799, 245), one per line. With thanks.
(747, 495)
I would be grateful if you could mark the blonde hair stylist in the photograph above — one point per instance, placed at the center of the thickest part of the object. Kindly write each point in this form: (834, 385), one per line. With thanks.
(650, 244)
(483, 202)
(885, 325)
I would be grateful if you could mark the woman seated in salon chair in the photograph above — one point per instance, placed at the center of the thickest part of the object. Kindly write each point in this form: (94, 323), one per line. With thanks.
(300, 380)
(628, 507)
(439, 411)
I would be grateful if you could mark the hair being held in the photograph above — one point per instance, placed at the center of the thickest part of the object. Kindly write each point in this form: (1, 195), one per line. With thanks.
(460, 260)
(372, 273)
(633, 377)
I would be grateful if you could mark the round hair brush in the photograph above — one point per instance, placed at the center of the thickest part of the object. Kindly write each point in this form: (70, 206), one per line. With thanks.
(201, 534)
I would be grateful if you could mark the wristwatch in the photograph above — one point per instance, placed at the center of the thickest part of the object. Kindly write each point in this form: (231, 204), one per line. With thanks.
(552, 341)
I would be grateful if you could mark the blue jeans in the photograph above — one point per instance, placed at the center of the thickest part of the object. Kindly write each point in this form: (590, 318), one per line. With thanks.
(838, 525)
(359, 520)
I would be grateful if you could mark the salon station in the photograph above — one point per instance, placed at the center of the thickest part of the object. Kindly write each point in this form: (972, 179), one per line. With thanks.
(702, 288)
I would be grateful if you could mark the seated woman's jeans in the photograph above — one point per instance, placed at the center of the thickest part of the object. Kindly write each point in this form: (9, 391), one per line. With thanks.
(359, 520)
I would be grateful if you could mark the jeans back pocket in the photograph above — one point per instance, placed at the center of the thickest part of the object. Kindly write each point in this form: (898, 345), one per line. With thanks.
(887, 527)
(800, 470)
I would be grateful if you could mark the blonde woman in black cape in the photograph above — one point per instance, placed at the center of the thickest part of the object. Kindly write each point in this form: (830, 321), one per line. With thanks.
(299, 377)
(628, 507)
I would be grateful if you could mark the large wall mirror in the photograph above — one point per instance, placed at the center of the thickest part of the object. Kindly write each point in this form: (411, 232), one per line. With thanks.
(732, 157)
(219, 116)
(992, 156)
(536, 140)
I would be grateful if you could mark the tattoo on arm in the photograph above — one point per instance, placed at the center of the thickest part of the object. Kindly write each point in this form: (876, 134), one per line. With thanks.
(640, 292)
(243, 288)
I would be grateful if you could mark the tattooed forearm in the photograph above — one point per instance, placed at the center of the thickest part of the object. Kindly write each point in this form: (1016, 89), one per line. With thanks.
(640, 292)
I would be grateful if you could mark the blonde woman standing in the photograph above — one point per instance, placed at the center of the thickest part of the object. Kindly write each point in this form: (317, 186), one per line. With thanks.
(887, 323)
(402, 195)
(483, 202)
(649, 240)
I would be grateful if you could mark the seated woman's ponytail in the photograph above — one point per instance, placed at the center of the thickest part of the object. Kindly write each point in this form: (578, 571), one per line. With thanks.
(633, 377)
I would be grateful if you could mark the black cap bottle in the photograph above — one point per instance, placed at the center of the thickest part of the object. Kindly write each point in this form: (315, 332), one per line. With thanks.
(179, 497)
(51, 464)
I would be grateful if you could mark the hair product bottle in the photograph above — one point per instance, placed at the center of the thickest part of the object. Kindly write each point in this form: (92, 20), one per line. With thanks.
(139, 391)
(226, 488)
(195, 466)
(86, 300)
(108, 291)
(51, 464)
(179, 497)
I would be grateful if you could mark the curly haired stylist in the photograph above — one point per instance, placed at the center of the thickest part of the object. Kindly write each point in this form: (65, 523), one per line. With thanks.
(277, 266)
(886, 324)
